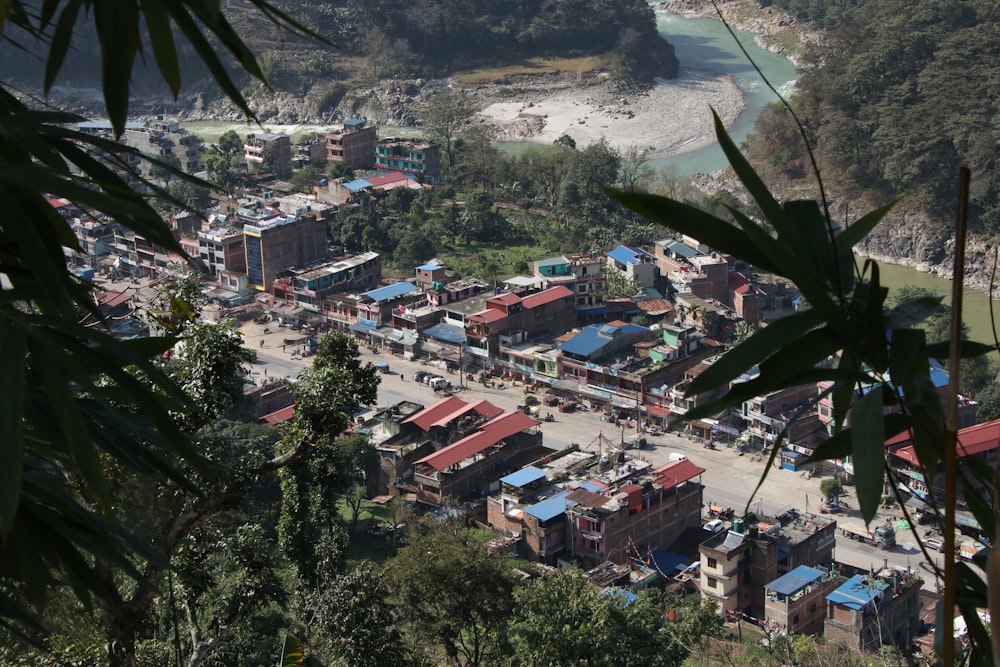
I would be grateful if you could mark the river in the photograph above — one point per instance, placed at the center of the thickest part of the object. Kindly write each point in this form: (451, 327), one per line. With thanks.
(705, 44)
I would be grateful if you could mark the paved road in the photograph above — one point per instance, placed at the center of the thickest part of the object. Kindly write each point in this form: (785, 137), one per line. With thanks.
(729, 479)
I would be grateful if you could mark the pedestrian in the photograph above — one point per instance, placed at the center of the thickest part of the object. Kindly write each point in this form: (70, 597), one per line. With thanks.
(262, 342)
(265, 372)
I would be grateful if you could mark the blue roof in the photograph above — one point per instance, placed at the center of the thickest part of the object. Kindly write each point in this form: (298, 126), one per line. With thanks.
(391, 291)
(668, 562)
(551, 261)
(359, 184)
(629, 255)
(524, 476)
(592, 339)
(591, 486)
(550, 507)
(795, 580)
(857, 592)
(362, 328)
(353, 121)
(429, 267)
(449, 333)
(627, 597)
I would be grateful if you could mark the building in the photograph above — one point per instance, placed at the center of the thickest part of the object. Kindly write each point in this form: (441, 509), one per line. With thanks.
(634, 264)
(275, 241)
(736, 565)
(796, 601)
(532, 509)
(868, 612)
(583, 274)
(311, 286)
(165, 140)
(421, 158)
(221, 249)
(269, 152)
(631, 507)
(353, 145)
(509, 319)
(470, 466)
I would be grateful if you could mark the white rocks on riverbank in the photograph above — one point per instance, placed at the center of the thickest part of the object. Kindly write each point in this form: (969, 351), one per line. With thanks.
(671, 117)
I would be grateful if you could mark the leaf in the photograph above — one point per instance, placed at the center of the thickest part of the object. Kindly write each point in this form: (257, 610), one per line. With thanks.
(755, 350)
(62, 37)
(912, 311)
(291, 652)
(967, 349)
(751, 181)
(13, 342)
(856, 232)
(868, 451)
(694, 222)
(161, 38)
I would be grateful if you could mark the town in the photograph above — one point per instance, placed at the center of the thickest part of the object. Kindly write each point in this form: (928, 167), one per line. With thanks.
(546, 408)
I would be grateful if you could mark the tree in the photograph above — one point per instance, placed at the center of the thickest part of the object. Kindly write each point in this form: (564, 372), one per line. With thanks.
(446, 114)
(338, 169)
(305, 178)
(454, 596)
(849, 321)
(477, 157)
(57, 419)
(561, 620)
(831, 488)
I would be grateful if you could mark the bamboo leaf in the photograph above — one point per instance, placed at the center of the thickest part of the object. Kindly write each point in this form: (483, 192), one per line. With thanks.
(868, 451)
(13, 342)
(751, 181)
(291, 652)
(62, 37)
(161, 39)
(967, 349)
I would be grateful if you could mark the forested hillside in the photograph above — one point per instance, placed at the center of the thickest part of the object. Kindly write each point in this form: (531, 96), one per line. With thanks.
(383, 39)
(904, 95)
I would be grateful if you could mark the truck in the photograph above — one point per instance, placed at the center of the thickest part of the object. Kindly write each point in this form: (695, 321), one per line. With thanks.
(968, 550)
(882, 536)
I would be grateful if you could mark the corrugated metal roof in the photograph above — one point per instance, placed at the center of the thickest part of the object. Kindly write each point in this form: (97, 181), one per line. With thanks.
(857, 592)
(551, 261)
(391, 291)
(679, 248)
(449, 333)
(489, 434)
(546, 296)
(481, 407)
(676, 472)
(629, 255)
(433, 412)
(795, 580)
(550, 507)
(278, 416)
(524, 476)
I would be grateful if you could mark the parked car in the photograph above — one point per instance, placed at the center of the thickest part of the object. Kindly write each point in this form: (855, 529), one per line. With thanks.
(419, 376)
(437, 383)
(430, 377)
(935, 543)
(714, 526)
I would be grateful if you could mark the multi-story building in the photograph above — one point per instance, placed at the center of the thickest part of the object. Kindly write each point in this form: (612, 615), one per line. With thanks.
(311, 285)
(420, 158)
(736, 565)
(164, 139)
(583, 274)
(795, 602)
(353, 145)
(95, 238)
(868, 612)
(631, 507)
(275, 241)
(633, 264)
(221, 249)
(267, 151)
(532, 509)
(508, 319)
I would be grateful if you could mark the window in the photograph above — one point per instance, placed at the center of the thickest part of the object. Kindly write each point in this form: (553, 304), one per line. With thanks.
(712, 582)
(713, 563)
(795, 619)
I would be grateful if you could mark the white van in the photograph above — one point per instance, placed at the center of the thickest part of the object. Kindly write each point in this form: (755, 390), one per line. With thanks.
(438, 383)
(714, 526)
(674, 456)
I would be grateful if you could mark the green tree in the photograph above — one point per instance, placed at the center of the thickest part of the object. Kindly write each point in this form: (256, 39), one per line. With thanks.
(849, 321)
(446, 114)
(59, 421)
(454, 596)
(338, 169)
(305, 178)
(831, 488)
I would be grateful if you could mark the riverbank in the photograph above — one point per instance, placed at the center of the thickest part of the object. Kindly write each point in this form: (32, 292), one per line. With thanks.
(671, 117)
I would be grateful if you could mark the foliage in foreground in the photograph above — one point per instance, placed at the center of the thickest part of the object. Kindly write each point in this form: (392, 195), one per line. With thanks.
(873, 357)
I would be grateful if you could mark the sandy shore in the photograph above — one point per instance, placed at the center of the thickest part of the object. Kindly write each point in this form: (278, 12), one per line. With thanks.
(672, 117)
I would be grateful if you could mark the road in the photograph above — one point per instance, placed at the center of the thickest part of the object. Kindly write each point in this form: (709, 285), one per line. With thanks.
(729, 479)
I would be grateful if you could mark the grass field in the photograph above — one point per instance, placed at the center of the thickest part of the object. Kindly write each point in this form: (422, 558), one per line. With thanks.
(533, 67)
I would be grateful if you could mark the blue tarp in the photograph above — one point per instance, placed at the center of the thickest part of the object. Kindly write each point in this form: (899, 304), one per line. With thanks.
(795, 580)
(391, 291)
(627, 596)
(448, 333)
(524, 476)
(624, 254)
(592, 339)
(668, 562)
(359, 184)
(429, 267)
(857, 592)
(550, 507)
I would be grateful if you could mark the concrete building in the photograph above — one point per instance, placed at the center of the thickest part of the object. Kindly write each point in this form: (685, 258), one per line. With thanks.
(868, 612)
(508, 319)
(221, 249)
(271, 152)
(796, 601)
(583, 274)
(633, 264)
(275, 241)
(353, 145)
(421, 158)
(632, 506)
(164, 139)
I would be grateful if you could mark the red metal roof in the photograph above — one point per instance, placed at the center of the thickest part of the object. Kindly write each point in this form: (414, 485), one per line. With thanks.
(588, 498)
(547, 296)
(971, 440)
(492, 432)
(507, 298)
(676, 472)
(278, 416)
(481, 407)
(490, 315)
(654, 306)
(435, 411)
(112, 299)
